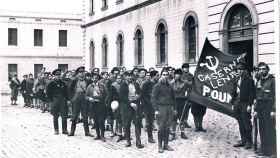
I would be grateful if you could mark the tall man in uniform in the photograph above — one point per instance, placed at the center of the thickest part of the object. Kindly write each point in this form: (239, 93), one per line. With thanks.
(78, 90)
(163, 100)
(180, 87)
(188, 78)
(130, 108)
(146, 93)
(265, 108)
(96, 95)
(14, 85)
(243, 100)
(57, 94)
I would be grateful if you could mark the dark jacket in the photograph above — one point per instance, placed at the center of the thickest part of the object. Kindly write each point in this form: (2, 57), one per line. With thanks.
(124, 92)
(265, 93)
(146, 93)
(29, 85)
(90, 91)
(56, 89)
(162, 95)
(246, 94)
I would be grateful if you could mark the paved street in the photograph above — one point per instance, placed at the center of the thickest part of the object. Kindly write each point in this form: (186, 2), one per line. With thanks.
(28, 133)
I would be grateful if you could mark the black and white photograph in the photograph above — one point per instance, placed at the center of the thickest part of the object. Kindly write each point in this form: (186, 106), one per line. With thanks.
(139, 78)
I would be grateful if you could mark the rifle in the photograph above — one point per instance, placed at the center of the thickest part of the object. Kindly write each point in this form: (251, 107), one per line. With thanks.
(181, 117)
(255, 131)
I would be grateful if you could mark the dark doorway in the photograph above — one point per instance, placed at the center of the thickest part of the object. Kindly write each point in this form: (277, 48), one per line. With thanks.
(240, 47)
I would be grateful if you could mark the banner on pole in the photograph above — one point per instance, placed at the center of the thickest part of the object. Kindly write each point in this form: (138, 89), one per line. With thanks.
(215, 79)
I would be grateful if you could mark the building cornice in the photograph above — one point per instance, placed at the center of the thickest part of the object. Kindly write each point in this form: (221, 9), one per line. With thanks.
(45, 57)
(40, 17)
(122, 12)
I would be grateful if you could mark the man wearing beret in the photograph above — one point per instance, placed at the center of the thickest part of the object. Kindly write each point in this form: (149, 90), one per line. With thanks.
(130, 108)
(78, 93)
(57, 94)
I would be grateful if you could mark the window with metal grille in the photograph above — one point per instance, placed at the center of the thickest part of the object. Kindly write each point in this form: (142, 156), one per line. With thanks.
(240, 24)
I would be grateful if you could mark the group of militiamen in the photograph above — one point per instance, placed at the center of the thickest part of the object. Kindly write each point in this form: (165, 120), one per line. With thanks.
(118, 98)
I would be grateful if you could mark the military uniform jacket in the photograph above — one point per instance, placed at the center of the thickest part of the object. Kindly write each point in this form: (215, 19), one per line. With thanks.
(56, 89)
(96, 91)
(180, 87)
(146, 92)
(265, 92)
(124, 90)
(162, 95)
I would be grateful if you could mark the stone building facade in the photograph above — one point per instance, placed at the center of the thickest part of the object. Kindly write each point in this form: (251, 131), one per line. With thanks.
(30, 41)
(155, 33)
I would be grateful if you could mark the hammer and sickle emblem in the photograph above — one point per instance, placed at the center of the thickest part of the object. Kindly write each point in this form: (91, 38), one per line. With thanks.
(211, 65)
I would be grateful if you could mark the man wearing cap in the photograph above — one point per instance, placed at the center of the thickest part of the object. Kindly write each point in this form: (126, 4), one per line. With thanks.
(188, 78)
(265, 110)
(14, 85)
(23, 89)
(57, 94)
(163, 101)
(110, 97)
(243, 100)
(78, 93)
(130, 108)
(180, 87)
(115, 96)
(29, 90)
(96, 95)
(146, 93)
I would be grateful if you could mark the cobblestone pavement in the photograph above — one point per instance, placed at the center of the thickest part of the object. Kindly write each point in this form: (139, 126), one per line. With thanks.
(28, 133)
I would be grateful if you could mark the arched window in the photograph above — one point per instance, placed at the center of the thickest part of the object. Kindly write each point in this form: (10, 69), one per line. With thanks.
(92, 54)
(190, 38)
(104, 52)
(161, 35)
(138, 38)
(120, 47)
(239, 29)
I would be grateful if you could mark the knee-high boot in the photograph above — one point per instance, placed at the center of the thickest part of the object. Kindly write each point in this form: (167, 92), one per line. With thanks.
(73, 127)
